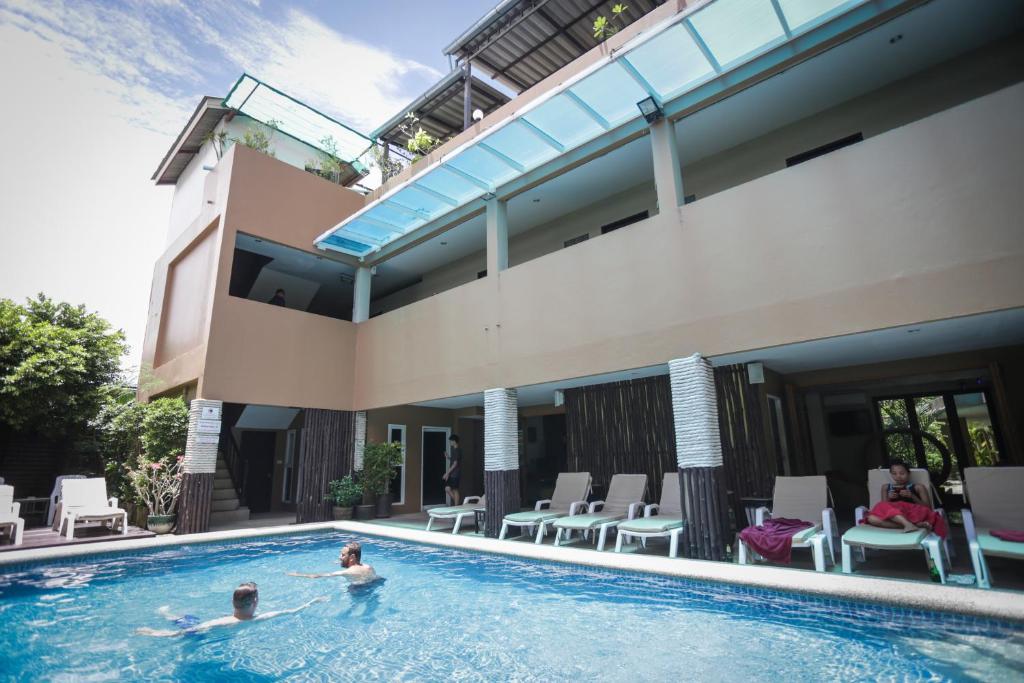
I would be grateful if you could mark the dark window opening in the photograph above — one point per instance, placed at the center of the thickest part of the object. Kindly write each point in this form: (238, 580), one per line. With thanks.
(824, 149)
(576, 240)
(481, 274)
(689, 199)
(628, 220)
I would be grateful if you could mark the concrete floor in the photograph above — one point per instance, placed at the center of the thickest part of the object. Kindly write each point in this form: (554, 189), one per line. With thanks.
(259, 520)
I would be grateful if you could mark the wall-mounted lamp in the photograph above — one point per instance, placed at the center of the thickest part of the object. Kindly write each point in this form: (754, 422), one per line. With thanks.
(559, 397)
(478, 115)
(650, 109)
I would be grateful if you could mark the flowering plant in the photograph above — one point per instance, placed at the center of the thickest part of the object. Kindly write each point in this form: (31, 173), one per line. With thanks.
(157, 484)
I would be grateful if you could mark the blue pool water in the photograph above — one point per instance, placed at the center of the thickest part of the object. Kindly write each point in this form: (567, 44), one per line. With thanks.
(447, 615)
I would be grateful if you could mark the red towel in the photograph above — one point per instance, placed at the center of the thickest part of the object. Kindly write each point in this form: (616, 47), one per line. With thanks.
(914, 513)
(1009, 535)
(774, 540)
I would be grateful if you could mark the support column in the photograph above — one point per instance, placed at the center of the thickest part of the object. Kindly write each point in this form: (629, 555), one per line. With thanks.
(497, 236)
(361, 295)
(668, 175)
(699, 457)
(199, 466)
(467, 95)
(327, 445)
(501, 456)
(360, 441)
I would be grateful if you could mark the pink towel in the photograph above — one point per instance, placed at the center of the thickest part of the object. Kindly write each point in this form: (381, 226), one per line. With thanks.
(774, 540)
(1009, 535)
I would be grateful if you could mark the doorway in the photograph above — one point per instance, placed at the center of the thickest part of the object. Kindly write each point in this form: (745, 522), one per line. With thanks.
(258, 452)
(435, 464)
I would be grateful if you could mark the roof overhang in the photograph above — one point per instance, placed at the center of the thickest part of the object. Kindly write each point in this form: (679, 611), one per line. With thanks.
(203, 120)
(688, 61)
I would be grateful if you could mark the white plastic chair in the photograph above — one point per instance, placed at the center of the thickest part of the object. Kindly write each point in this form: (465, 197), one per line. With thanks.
(10, 514)
(804, 498)
(55, 496)
(456, 512)
(85, 500)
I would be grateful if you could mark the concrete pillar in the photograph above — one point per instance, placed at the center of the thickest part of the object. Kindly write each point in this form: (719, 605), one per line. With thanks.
(361, 295)
(467, 95)
(199, 466)
(668, 175)
(501, 456)
(699, 458)
(360, 441)
(497, 236)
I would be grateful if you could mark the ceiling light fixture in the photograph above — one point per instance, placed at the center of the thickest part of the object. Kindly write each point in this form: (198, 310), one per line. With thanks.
(896, 38)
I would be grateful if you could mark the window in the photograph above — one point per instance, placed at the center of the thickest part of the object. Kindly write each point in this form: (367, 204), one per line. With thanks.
(576, 240)
(605, 229)
(396, 434)
(824, 149)
(289, 466)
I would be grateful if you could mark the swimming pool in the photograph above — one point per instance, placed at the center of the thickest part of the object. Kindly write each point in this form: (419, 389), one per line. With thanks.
(446, 614)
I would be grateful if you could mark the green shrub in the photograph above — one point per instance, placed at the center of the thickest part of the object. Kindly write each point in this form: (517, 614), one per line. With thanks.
(344, 492)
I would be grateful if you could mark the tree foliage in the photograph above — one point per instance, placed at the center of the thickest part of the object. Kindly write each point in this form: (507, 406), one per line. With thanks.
(55, 359)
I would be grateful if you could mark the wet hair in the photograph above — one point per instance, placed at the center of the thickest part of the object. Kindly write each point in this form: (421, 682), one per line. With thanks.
(355, 550)
(245, 595)
(454, 437)
(899, 463)
(280, 291)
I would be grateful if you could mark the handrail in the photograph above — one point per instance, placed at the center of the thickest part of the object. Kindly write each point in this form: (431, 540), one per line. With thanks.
(236, 464)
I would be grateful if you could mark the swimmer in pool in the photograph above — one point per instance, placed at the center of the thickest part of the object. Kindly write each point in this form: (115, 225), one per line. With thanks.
(244, 600)
(357, 573)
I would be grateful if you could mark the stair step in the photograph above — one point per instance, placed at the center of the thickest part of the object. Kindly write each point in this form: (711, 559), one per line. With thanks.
(222, 472)
(229, 517)
(222, 483)
(224, 505)
(223, 494)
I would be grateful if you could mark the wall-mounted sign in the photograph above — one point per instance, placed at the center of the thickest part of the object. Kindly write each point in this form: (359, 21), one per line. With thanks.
(211, 413)
(208, 427)
(207, 439)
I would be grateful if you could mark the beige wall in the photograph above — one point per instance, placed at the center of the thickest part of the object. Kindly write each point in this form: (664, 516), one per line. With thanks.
(919, 223)
(186, 307)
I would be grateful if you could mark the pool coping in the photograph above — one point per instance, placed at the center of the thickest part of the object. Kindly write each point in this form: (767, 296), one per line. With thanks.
(986, 603)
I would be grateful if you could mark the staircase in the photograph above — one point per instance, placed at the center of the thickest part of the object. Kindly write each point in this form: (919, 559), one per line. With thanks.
(225, 509)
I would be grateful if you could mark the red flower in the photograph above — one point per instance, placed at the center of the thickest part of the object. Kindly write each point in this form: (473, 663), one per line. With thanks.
(155, 465)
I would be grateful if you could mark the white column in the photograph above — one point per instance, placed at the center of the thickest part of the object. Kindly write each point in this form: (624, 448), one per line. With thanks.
(203, 436)
(501, 430)
(357, 456)
(668, 175)
(695, 409)
(361, 295)
(497, 236)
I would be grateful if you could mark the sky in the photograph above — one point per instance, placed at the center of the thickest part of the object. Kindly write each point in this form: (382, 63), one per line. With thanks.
(95, 91)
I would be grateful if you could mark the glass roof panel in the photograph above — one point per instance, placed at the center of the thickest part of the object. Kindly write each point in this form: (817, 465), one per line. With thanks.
(733, 29)
(670, 62)
(394, 216)
(413, 198)
(802, 14)
(562, 119)
(450, 184)
(612, 93)
(368, 232)
(482, 165)
(522, 145)
(271, 106)
(348, 245)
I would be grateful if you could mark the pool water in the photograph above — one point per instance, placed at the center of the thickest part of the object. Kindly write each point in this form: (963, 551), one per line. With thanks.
(450, 615)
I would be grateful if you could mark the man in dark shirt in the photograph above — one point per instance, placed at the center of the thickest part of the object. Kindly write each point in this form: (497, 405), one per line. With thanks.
(454, 473)
(278, 299)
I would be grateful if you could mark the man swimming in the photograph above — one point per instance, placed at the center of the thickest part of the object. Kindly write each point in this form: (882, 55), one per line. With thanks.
(244, 601)
(357, 573)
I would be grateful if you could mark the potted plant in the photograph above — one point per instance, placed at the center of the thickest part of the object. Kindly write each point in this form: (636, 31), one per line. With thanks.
(158, 485)
(363, 509)
(344, 493)
(379, 463)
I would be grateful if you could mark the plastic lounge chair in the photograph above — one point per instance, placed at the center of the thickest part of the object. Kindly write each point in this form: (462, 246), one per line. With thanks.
(10, 514)
(456, 512)
(55, 497)
(625, 500)
(569, 498)
(804, 498)
(994, 496)
(863, 536)
(660, 520)
(85, 500)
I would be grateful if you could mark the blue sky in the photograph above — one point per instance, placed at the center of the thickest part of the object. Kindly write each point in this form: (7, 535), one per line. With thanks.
(95, 92)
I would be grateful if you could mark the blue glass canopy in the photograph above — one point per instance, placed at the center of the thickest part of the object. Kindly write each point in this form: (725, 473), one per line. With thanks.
(665, 64)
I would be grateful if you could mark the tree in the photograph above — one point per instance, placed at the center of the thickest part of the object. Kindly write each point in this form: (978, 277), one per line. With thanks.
(55, 359)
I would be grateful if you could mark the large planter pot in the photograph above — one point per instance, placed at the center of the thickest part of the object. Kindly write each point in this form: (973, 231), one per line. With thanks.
(160, 524)
(342, 512)
(364, 511)
(384, 505)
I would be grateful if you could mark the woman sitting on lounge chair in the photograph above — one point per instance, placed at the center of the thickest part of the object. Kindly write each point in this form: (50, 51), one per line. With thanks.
(905, 505)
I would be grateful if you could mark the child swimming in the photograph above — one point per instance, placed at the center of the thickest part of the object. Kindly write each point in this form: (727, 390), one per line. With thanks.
(905, 505)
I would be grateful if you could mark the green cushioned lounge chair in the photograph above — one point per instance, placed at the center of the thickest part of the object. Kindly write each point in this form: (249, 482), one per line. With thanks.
(660, 520)
(569, 497)
(863, 536)
(994, 495)
(804, 498)
(456, 512)
(625, 500)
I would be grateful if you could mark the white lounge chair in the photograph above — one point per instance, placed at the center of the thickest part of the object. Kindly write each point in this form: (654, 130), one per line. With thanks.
(625, 500)
(569, 498)
(55, 497)
(994, 496)
(806, 499)
(85, 500)
(660, 520)
(456, 512)
(10, 512)
(864, 536)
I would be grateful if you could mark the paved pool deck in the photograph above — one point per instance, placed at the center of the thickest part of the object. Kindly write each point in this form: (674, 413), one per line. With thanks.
(993, 603)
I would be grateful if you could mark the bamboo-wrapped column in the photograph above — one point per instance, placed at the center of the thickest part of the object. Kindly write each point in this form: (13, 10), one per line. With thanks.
(501, 456)
(699, 457)
(198, 466)
(328, 442)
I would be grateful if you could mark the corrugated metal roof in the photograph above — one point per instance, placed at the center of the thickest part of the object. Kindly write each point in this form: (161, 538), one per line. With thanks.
(203, 120)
